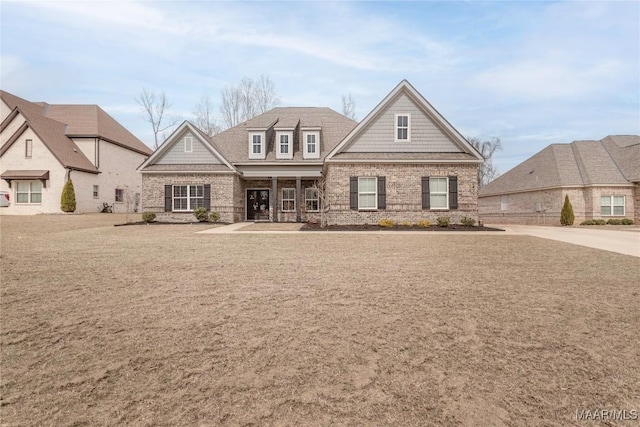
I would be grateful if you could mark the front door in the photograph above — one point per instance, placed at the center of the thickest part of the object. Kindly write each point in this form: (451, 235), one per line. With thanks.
(257, 205)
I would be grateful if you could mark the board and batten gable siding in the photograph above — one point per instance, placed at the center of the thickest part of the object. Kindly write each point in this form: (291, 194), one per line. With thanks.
(379, 136)
(199, 155)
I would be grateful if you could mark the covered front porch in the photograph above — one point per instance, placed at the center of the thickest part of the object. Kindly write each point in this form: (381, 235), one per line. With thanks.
(282, 193)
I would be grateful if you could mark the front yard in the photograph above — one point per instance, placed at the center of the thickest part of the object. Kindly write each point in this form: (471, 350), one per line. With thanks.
(148, 325)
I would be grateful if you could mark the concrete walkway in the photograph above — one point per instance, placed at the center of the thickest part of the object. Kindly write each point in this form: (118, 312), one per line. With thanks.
(620, 240)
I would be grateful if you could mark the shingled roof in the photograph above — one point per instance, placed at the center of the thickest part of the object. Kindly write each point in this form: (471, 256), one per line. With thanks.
(232, 143)
(80, 121)
(614, 160)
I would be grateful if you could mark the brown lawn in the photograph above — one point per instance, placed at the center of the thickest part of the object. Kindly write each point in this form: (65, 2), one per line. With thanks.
(157, 325)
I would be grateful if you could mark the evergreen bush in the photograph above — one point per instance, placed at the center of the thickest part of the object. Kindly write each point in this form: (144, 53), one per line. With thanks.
(566, 215)
(148, 216)
(443, 221)
(68, 197)
(201, 214)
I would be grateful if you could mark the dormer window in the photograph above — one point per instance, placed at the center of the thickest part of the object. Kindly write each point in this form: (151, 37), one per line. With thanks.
(256, 145)
(284, 144)
(284, 141)
(403, 128)
(311, 144)
(188, 144)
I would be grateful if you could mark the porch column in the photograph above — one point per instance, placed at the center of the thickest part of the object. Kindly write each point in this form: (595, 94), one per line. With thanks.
(299, 198)
(274, 197)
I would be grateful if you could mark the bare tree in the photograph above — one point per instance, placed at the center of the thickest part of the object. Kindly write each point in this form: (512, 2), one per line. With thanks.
(266, 97)
(155, 110)
(349, 106)
(320, 185)
(487, 171)
(248, 99)
(205, 118)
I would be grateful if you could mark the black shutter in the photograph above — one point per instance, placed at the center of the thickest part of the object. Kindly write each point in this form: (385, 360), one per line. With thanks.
(167, 197)
(382, 192)
(207, 197)
(453, 192)
(353, 192)
(426, 196)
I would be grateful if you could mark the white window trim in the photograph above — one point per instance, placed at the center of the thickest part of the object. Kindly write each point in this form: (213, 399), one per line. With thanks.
(29, 193)
(261, 154)
(446, 193)
(375, 192)
(307, 199)
(288, 200)
(279, 153)
(396, 127)
(28, 148)
(307, 154)
(188, 197)
(188, 144)
(612, 205)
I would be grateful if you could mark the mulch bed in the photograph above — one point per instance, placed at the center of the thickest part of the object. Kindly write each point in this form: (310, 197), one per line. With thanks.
(376, 227)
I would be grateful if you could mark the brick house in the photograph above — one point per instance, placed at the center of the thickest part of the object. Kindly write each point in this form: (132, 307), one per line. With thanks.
(601, 178)
(403, 161)
(43, 145)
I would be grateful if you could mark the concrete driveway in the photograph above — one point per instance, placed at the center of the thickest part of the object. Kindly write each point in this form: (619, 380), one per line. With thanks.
(621, 240)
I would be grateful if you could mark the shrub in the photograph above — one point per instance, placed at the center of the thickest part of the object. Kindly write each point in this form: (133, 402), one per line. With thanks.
(424, 223)
(468, 222)
(614, 221)
(626, 221)
(566, 215)
(68, 198)
(201, 214)
(148, 216)
(386, 223)
(443, 221)
(599, 222)
(214, 216)
(588, 222)
(406, 224)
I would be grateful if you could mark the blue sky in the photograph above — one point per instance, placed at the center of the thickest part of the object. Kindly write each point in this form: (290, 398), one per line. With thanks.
(530, 73)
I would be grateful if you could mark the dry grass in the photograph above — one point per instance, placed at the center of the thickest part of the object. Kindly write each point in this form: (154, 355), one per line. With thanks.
(151, 325)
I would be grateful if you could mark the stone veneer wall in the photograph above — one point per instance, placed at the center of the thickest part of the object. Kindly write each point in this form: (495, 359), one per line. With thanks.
(404, 192)
(521, 207)
(225, 195)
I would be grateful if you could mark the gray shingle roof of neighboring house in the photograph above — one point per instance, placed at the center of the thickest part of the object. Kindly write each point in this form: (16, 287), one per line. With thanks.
(233, 143)
(56, 124)
(52, 135)
(81, 120)
(613, 160)
(93, 121)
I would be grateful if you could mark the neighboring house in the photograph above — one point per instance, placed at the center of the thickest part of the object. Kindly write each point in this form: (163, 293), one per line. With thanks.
(601, 178)
(43, 145)
(404, 162)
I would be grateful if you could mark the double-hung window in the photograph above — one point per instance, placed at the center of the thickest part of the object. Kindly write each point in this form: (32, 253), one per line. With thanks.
(311, 200)
(367, 192)
(29, 192)
(284, 144)
(256, 144)
(438, 196)
(96, 191)
(311, 143)
(403, 128)
(612, 205)
(288, 200)
(188, 197)
(119, 195)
